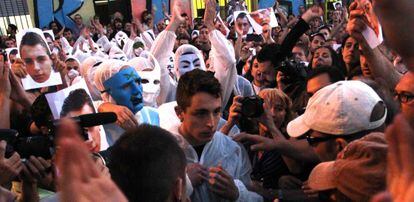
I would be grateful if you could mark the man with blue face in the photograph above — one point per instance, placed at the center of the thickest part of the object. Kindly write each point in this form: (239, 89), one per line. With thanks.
(126, 89)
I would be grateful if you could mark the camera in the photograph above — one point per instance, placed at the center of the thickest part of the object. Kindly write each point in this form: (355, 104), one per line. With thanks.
(293, 71)
(252, 106)
(43, 145)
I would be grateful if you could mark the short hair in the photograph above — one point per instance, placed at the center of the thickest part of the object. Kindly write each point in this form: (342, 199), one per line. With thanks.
(333, 72)
(33, 39)
(196, 81)
(78, 15)
(241, 15)
(67, 30)
(304, 47)
(145, 163)
(183, 37)
(75, 101)
(47, 35)
(270, 52)
(13, 27)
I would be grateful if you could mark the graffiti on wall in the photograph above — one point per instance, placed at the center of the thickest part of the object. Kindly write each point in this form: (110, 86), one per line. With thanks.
(46, 13)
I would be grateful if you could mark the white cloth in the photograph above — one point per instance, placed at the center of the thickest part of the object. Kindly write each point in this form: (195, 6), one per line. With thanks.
(147, 115)
(221, 150)
(243, 87)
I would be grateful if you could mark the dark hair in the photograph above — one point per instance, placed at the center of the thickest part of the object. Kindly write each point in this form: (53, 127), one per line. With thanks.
(47, 35)
(57, 24)
(194, 82)
(75, 101)
(13, 27)
(33, 39)
(337, 61)
(40, 111)
(241, 15)
(334, 74)
(183, 37)
(270, 52)
(145, 163)
(67, 30)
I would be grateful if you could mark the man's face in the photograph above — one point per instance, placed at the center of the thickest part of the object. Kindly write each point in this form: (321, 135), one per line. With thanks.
(50, 43)
(78, 20)
(183, 41)
(37, 61)
(126, 89)
(326, 150)
(350, 52)
(203, 34)
(336, 15)
(161, 26)
(366, 72)
(317, 42)
(68, 35)
(200, 119)
(128, 26)
(72, 65)
(54, 27)
(322, 57)
(316, 83)
(406, 86)
(10, 44)
(118, 25)
(243, 24)
(299, 54)
(94, 141)
(264, 74)
(188, 62)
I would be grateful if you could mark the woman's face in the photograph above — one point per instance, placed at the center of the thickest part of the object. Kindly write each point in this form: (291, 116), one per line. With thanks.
(322, 57)
(278, 113)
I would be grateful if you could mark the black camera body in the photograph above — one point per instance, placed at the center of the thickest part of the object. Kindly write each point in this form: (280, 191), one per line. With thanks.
(43, 145)
(293, 71)
(252, 106)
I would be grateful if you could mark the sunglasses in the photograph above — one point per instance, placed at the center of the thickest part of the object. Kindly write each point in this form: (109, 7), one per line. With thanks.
(314, 141)
(404, 97)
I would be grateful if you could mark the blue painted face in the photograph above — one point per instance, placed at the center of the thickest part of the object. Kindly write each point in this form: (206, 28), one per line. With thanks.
(126, 89)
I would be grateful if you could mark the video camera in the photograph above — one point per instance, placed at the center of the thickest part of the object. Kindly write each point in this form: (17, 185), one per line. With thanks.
(43, 145)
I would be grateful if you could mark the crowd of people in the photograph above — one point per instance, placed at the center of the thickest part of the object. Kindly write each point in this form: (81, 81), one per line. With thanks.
(207, 109)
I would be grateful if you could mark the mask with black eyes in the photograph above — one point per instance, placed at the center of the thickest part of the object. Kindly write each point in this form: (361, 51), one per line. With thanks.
(121, 39)
(188, 62)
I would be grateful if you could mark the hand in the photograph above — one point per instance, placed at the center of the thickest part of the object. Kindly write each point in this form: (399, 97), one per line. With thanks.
(266, 118)
(222, 184)
(37, 169)
(310, 193)
(357, 24)
(176, 18)
(210, 14)
(19, 68)
(259, 143)
(79, 179)
(279, 79)
(9, 167)
(400, 170)
(5, 86)
(197, 173)
(19, 94)
(311, 13)
(235, 110)
(125, 118)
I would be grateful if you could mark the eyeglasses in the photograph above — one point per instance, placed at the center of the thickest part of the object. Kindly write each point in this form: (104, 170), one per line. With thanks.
(404, 97)
(314, 141)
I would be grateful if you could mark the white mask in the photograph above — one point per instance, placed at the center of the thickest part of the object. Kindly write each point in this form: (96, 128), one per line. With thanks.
(150, 79)
(121, 39)
(188, 62)
(72, 74)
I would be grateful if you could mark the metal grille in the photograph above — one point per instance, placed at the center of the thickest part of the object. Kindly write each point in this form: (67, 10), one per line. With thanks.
(14, 12)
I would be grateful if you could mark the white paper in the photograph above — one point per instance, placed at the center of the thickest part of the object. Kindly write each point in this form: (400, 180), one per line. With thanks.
(56, 99)
(54, 79)
(372, 39)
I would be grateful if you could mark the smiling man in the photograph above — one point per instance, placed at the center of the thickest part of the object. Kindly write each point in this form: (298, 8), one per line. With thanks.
(217, 166)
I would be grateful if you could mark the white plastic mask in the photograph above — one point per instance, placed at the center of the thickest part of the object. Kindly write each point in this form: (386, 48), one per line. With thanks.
(73, 73)
(121, 39)
(188, 62)
(151, 87)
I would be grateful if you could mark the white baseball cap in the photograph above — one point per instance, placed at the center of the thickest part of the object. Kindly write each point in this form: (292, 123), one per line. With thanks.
(342, 108)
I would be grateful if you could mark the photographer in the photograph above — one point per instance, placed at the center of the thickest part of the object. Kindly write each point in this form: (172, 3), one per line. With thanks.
(269, 166)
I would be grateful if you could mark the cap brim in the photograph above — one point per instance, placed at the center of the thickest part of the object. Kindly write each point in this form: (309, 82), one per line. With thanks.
(322, 177)
(297, 127)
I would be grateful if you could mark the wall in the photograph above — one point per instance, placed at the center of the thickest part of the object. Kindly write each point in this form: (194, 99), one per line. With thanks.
(86, 11)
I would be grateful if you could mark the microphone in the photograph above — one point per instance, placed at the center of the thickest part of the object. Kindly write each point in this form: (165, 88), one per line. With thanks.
(89, 120)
